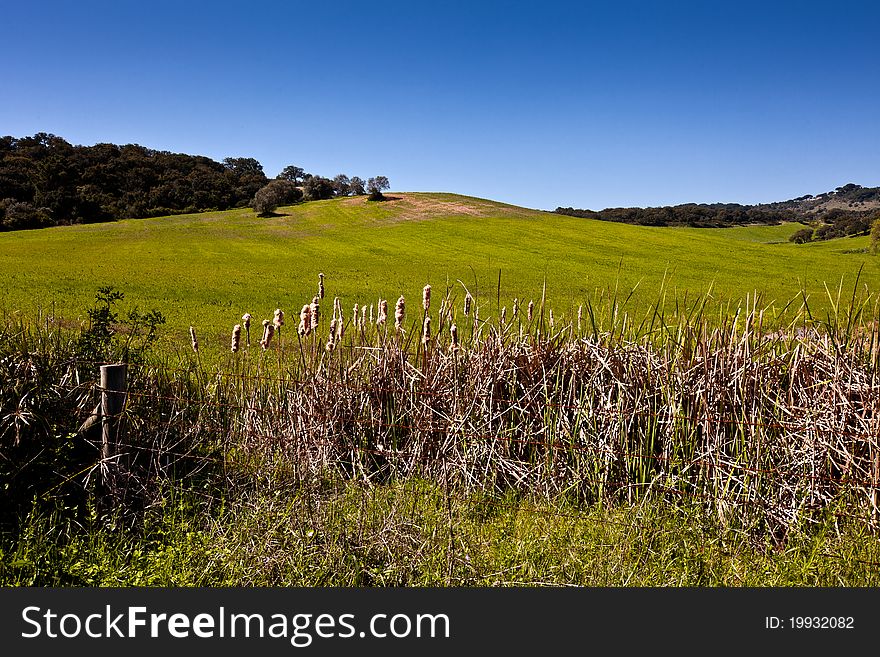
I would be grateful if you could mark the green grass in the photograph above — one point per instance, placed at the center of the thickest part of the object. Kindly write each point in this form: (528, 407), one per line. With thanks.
(208, 269)
(410, 534)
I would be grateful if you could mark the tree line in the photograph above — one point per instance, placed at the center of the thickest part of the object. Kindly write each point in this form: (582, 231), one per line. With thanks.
(716, 215)
(844, 212)
(46, 181)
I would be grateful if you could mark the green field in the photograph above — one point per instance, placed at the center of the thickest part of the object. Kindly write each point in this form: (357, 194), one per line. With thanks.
(521, 456)
(208, 269)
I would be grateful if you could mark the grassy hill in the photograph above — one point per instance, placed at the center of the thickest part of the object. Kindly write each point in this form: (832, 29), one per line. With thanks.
(700, 456)
(207, 269)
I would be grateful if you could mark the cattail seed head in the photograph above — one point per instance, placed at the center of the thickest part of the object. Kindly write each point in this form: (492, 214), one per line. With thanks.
(531, 310)
(305, 320)
(426, 331)
(355, 313)
(246, 318)
(321, 285)
(268, 332)
(195, 343)
(580, 316)
(333, 324)
(278, 320)
(399, 312)
(236, 337)
(453, 331)
(382, 316)
(426, 298)
(467, 304)
(315, 314)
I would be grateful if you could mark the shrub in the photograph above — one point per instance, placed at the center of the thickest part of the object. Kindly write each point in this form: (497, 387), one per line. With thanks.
(875, 233)
(802, 236)
(375, 187)
(277, 192)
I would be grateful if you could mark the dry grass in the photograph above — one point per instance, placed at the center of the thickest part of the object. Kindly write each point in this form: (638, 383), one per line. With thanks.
(768, 429)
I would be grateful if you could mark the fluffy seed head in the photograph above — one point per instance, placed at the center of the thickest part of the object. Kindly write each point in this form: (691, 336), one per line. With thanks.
(305, 320)
(355, 313)
(453, 331)
(426, 331)
(321, 285)
(315, 310)
(468, 300)
(399, 312)
(236, 337)
(426, 297)
(247, 321)
(382, 314)
(278, 320)
(268, 332)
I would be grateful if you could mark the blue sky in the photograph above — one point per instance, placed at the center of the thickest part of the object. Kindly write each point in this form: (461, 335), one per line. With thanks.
(589, 104)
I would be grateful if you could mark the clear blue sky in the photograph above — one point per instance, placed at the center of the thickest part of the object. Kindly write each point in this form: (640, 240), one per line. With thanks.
(589, 104)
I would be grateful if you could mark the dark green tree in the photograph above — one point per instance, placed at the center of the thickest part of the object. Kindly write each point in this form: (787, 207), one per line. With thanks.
(275, 193)
(875, 234)
(342, 185)
(375, 186)
(802, 236)
(357, 186)
(317, 188)
(292, 173)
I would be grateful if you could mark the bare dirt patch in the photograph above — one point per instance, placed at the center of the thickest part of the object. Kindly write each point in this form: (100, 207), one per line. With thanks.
(414, 207)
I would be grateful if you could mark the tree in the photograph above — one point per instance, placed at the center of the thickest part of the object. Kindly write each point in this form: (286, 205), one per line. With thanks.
(293, 173)
(341, 185)
(357, 186)
(375, 187)
(875, 234)
(21, 216)
(246, 175)
(275, 193)
(802, 236)
(242, 166)
(317, 188)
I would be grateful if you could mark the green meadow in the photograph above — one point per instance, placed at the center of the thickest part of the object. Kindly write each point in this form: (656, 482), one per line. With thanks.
(207, 269)
(301, 475)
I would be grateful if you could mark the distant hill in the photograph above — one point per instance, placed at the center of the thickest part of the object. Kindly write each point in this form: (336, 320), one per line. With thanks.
(848, 210)
(46, 181)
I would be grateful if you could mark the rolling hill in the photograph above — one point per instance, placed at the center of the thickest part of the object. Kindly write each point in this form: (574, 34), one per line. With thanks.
(207, 269)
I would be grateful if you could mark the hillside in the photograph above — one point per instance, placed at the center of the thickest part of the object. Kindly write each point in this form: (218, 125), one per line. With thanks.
(846, 211)
(207, 269)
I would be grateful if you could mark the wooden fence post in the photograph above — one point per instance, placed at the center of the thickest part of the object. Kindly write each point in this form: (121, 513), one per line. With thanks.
(113, 389)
